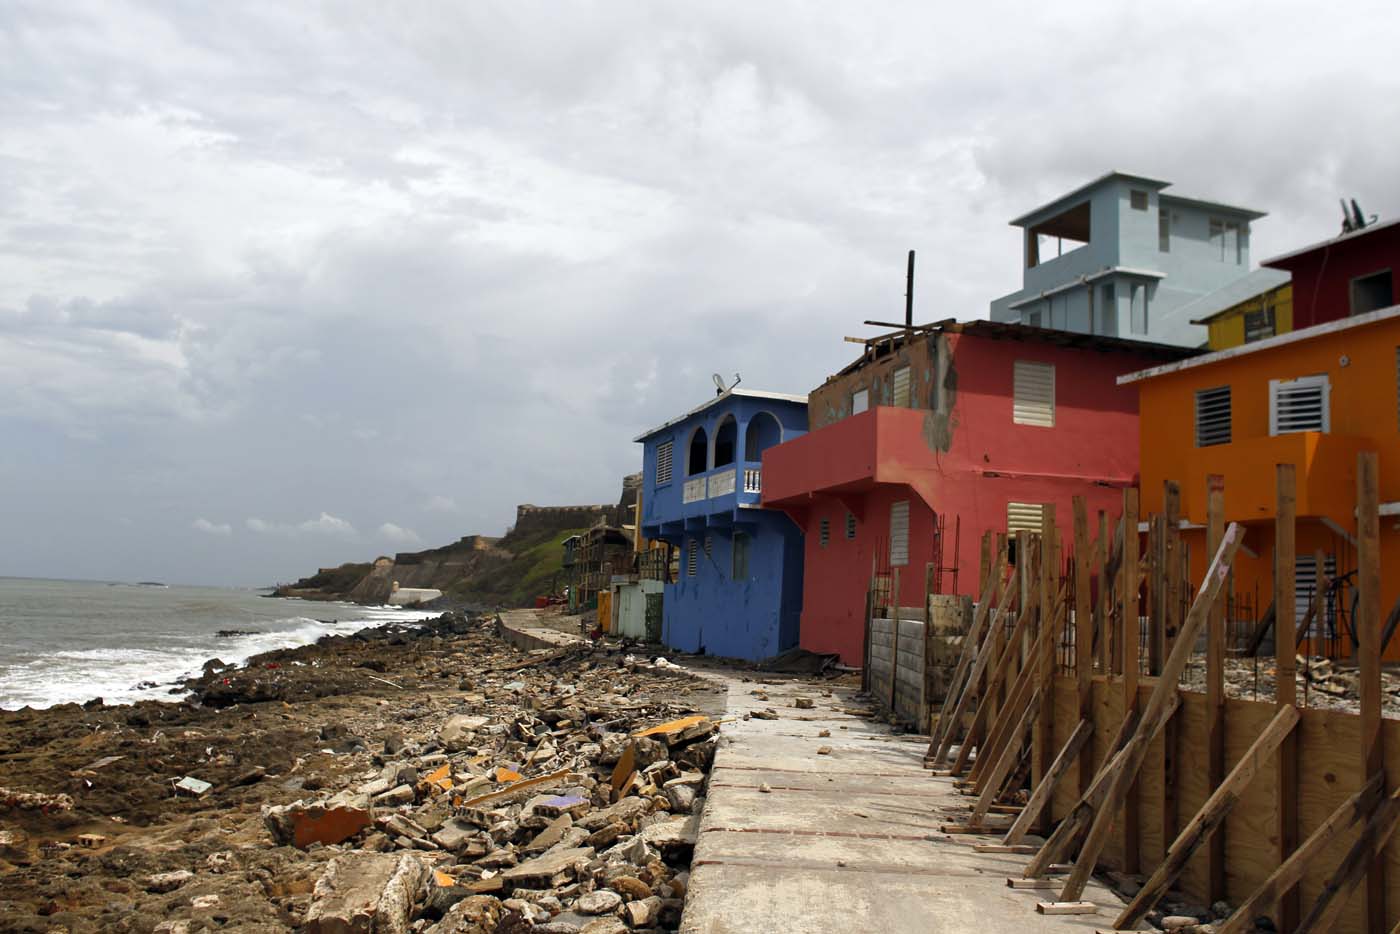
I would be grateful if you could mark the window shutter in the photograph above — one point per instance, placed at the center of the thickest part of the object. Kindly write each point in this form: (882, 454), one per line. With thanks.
(741, 556)
(663, 462)
(860, 401)
(1212, 416)
(850, 526)
(1033, 394)
(1299, 405)
(709, 545)
(899, 533)
(1025, 517)
(901, 388)
(824, 532)
(692, 558)
(1304, 583)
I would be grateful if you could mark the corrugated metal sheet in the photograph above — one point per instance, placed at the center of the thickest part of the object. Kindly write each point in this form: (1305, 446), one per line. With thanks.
(899, 533)
(1033, 394)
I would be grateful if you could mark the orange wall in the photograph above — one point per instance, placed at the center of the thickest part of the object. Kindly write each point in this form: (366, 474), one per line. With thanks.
(1364, 396)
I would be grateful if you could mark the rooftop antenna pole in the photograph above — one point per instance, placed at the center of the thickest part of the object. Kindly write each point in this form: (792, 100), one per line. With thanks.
(909, 296)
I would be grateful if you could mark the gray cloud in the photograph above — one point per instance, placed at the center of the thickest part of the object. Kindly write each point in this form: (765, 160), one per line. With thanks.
(351, 262)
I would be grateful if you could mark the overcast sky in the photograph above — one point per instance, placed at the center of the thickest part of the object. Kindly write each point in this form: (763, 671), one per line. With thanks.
(288, 284)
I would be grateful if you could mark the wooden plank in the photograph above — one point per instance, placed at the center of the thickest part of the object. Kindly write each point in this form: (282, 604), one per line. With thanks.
(976, 634)
(1046, 789)
(1083, 633)
(1010, 755)
(1353, 809)
(1209, 818)
(1368, 588)
(975, 676)
(1103, 607)
(1173, 581)
(1043, 661)
(1129, 635)
(1154, 715)
(1285, 688)
(1323, 915)
(1010, 650)
(1215, 688)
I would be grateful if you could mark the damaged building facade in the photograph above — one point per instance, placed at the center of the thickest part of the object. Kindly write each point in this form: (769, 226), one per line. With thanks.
(738, 588)
(976, 425)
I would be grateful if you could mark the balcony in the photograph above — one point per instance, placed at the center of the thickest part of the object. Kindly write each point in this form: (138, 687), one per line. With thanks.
(1326, 475)
(880, 445)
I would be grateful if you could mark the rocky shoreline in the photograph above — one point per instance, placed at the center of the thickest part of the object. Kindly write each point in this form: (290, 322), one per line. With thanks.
(459, 771)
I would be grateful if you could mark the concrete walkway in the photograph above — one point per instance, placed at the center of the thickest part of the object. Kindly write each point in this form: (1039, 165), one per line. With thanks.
(847, 841)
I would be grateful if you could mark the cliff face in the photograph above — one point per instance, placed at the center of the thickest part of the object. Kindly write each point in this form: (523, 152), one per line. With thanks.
(509, 571)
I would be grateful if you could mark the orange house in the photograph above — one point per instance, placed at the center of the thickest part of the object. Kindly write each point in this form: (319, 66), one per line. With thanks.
(1313, 398)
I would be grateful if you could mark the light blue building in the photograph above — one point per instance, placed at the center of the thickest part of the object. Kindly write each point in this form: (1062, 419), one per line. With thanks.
(1122, 257)
(738, 592)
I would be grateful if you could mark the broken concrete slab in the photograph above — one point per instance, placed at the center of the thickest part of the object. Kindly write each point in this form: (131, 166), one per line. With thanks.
(548, 871)
(365, 893)
(330, 821)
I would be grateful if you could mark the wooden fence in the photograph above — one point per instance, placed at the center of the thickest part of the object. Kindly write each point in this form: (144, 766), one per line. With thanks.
(1069, 687)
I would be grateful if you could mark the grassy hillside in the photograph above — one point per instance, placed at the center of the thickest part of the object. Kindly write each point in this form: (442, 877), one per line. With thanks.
(535, 559)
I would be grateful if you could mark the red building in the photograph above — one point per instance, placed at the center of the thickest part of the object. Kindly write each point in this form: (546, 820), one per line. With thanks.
(1347, 275)
(980, 422)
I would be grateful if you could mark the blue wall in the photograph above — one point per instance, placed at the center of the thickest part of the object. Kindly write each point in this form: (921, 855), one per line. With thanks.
(755, 616)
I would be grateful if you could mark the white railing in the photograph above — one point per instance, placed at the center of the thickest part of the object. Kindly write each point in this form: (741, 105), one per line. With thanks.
(753, 479)
(722, 483)
(694, 490)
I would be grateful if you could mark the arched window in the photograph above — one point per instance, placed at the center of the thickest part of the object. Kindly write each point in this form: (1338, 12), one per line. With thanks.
(762, 433)
(726, 437)
(699, 452)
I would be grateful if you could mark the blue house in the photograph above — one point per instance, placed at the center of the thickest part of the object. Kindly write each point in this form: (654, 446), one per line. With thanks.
(738, 592)
(1123, 257)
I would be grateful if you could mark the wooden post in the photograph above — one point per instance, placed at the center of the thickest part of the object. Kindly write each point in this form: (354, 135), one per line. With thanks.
(1172, 582)
(1365, 851)
(1083, 635)
(1040, 797)
(1215, 689)
(1353, 810)
(1286, 688)
(982, 727)
(1007, 758)
(1103, 608)
(1129, 636)
(869, 612)
(1154, 716)
(1043, 740)
(1368, 621)
(1156, 591)
(971, 645)
(1210, 817)
(980, 667)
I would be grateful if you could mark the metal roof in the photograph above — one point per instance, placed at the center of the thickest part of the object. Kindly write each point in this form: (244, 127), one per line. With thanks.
(1142, 180)
(1340, 238)
(999, 330)
(1206, 308)
(741, 393)
(1291, 337)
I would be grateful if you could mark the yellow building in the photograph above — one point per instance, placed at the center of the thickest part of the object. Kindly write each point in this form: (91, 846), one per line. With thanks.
(1255, 307)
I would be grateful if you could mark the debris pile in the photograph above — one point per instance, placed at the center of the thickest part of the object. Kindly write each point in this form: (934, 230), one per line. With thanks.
(433, 780)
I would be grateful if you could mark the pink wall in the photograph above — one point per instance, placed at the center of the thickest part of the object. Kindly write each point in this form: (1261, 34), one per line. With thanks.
(971, 471)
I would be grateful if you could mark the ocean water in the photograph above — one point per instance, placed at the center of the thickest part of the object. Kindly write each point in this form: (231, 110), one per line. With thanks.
(63, 641)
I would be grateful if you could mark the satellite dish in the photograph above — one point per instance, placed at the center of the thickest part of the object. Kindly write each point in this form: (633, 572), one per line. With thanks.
(719, 383)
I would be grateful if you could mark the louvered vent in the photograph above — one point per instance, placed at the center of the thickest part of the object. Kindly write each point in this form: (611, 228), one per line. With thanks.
(1033, 393)
(899, 533)
(1025, 517)
(1212, 416)
(1298, 405)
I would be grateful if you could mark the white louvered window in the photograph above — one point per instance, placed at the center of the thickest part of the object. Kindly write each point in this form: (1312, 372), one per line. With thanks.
(1033, 394)
(692, 558)
(663, 462)
(860, 401)
(899, 533)
(901, 395)
(850, 526)
(1025, 517)
(1212, 416)
(1300, 404)
(1305, 583)
(824, 532)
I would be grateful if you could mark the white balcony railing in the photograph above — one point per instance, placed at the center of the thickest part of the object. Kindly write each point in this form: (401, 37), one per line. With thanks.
(753, 479)
(694, 490)
(722, 483)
